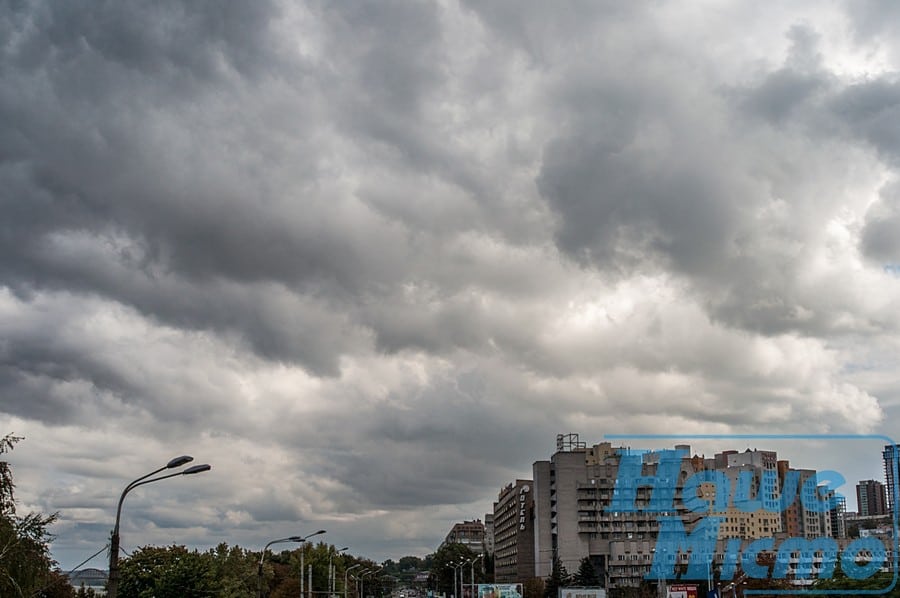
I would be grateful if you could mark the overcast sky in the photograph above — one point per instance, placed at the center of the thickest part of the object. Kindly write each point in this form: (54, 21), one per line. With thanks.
(368, 259)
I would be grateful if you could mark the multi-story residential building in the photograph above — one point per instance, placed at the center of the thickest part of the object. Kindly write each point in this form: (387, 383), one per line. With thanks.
(796, 520)
(572, 495)
(871, 498)
(574, 490)
(489, 533)
(757, 470)
(838, 517)
(468, 533)
(888, 455)
(514, 533)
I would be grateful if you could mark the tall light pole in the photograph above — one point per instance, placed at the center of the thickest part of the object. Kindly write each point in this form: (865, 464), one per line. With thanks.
(302, 562)
(462, 580)
(262, 557)
(456, 567)
(363, 583)
(112, 587)
(330, 570)
(346, 571)
(472, 571)
(359, 580)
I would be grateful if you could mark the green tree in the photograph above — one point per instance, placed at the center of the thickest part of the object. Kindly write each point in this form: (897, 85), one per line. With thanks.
(234, 570)
(442, 565)
(586, 577)
(170, 572)
(84, 592)
(559, 578)
(840, 581)
(26, 568)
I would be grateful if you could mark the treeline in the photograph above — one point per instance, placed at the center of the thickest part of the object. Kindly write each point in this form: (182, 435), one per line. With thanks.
(28, 571)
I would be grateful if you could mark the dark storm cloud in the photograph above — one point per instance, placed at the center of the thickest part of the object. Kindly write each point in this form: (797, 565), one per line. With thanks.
(369, 258)
(152, 39)
(121, 186)
(119, 171)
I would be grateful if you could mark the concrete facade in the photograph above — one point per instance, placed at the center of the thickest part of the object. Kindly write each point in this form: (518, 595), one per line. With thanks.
(514, 533)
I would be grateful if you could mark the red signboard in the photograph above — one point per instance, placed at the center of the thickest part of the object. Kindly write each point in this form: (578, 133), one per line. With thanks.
(682, 591)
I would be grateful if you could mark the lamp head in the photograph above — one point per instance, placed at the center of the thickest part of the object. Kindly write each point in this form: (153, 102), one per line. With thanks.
(179, 461)
(196, 469)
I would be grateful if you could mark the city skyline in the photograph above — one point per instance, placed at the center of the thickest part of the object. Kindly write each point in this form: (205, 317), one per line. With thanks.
(368, 259)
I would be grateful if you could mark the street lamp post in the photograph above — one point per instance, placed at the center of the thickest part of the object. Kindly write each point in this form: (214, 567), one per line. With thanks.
(330, 570)
(457, 578)
(362, 581)
(358, 578)
(462, 580)
(302, 562)
(113, 583)
(262, 558)
(472, 571)
(346, 571)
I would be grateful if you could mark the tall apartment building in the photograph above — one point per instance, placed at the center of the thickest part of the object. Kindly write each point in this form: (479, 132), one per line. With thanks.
(796, 520)
(759, 468)
(514, 533)
(468, 533)
(572, 495)
(575, 488)
(871, 498)
(489, 533)
(888, 455)
(838, 517)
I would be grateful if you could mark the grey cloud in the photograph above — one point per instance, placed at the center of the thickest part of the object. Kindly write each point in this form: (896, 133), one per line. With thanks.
(871, 18)
(881, 234)
(152, 39)
(871, 111)
(783, 92)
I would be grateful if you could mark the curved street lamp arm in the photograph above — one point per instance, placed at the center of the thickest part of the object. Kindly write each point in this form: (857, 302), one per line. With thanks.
(172, 464)
(143, 480)
(113, 583)
(128, 488)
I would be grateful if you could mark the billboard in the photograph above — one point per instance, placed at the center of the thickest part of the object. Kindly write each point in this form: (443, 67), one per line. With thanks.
(499, 590)
(682, 590)
(582, 593)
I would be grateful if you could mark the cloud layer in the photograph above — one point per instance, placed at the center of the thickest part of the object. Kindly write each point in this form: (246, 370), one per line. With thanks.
(369, 258)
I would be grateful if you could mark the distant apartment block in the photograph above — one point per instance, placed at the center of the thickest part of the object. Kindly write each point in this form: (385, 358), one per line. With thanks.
(572, 494)
(871, 498)
(468, 533)
(888, 455)
(574, 489)
(838, 517)
(489, 533)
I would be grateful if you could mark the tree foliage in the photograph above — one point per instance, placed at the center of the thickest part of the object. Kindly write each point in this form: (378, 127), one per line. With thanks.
(26, 568)
(170, 572)
(586, 577)
(559, 578)
(173, 571)
(442, 566)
